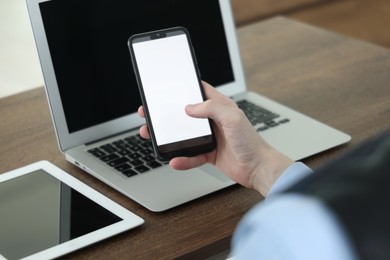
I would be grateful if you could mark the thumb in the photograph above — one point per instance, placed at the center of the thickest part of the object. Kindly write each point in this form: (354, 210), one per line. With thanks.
(200, 110)
(219, 112)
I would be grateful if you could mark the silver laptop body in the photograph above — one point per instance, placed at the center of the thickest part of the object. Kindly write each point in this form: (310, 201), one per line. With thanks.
(93, 96)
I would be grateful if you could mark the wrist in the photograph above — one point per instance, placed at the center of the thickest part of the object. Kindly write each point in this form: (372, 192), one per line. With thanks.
(270, 167)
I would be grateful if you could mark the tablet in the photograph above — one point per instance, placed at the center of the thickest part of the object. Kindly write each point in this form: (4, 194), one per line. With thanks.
(46, 213)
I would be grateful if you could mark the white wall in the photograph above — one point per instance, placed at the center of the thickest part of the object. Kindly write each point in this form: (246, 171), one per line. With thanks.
(19, 64)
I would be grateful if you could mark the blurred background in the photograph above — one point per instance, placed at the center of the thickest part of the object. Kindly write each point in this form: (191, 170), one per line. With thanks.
(368, 20)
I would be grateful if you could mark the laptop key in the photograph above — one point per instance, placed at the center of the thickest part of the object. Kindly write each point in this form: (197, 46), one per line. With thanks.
(148, 158)
(109, 148)
(109, 157)
(97, 152)
(118, 161)
(136, 162)
(271, 123)
(129, 173)
(146, 151)
(123, 167)
(131, 140)
(146, 144)
(283, 121)
(124, 152)
(154, 164)
(164, 162)
(262, 128)
(142, 169)
(268, 117)
(134, 156)
(136, 148)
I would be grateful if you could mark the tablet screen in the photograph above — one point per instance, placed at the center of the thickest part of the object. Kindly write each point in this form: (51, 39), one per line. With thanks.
(38, 211)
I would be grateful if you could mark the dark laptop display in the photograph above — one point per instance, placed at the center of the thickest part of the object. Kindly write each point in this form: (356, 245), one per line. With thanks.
(88, 46)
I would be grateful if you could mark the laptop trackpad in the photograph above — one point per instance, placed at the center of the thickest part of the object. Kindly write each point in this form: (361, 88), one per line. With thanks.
(213, 171)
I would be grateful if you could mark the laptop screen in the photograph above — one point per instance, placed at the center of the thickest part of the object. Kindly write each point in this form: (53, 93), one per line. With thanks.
(87, 40)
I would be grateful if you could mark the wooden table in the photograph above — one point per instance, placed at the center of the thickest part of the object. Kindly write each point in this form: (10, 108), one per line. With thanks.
(338, 80)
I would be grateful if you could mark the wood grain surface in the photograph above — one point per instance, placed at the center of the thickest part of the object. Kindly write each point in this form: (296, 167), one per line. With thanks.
(340, 81)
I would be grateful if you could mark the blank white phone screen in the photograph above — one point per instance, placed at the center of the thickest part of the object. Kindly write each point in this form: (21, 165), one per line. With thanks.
(170, 83)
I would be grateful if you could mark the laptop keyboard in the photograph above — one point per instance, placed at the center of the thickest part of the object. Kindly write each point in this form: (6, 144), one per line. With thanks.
(130, 156)
(134, 155)
(261, 118)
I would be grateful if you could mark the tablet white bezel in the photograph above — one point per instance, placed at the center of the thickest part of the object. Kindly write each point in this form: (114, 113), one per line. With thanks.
(129, 219)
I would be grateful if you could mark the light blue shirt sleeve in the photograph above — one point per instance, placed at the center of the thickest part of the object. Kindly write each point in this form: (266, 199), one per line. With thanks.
(293, 174)
(291, 226)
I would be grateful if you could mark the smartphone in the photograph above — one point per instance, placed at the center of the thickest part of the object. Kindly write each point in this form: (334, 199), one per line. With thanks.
(168, 79)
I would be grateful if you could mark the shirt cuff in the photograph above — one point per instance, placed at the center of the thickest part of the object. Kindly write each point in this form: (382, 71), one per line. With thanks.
(294, 173)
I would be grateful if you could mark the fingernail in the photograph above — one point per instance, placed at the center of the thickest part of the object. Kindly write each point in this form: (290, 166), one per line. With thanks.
(189, 108)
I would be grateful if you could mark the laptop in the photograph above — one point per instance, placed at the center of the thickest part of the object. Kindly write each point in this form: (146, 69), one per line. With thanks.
(93, 94)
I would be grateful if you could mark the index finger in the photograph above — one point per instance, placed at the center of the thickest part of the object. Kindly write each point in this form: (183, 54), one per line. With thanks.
(212, 93)
(141, 111)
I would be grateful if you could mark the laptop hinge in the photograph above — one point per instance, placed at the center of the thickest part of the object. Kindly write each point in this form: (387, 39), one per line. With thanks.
(108, 137)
